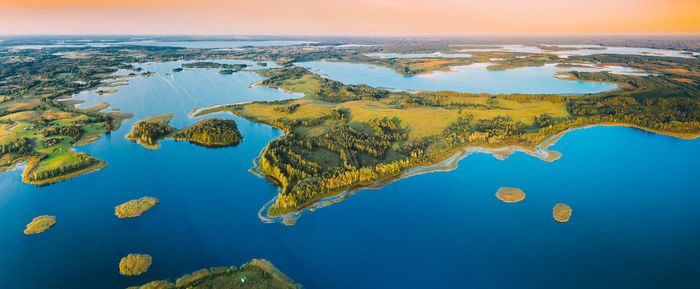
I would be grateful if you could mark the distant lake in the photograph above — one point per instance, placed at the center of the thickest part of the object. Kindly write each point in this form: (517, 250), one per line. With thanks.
(473, 78)
(419, 55)
(634, 196)
(585, 50)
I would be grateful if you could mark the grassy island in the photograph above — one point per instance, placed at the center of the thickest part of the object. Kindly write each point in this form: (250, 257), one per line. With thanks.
(211, 132)
(135, 264)
(343, 137)
(135, 208)
(510, 195)
(561, 213)
(40, 224)
(149, 131)
(259, 273)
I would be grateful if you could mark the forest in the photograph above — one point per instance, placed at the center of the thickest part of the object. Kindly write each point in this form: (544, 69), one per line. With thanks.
(149, 131)
(211, 132)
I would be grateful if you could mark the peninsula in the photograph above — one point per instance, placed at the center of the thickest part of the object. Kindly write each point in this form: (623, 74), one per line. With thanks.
(342, 137)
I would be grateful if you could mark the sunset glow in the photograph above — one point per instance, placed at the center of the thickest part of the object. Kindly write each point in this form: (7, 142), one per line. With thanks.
(349, 17)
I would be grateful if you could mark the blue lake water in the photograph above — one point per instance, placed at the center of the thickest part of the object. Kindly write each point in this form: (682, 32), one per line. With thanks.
(634, 196)
(473, 78)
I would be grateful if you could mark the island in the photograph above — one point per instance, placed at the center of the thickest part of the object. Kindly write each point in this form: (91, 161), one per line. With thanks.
(40, 224)
(135, 208)
(341, 137)
(510, 195)
(226, 71)
(561, 213)
(212, 133)
(135, 264)
(149, 131)
(209, 64)
(103, 92)
(259, 273)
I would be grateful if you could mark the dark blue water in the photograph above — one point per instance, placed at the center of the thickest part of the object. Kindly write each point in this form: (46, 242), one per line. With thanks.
(635, 221)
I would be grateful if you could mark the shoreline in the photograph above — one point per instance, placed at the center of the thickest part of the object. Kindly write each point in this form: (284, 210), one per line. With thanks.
(93, 168)
(194, 113)
(448, 164)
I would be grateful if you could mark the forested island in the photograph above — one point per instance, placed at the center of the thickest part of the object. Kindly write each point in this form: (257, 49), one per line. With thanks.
(211, 132)
(135, 264)
(135, 208)
(40, 224)
(259, 273)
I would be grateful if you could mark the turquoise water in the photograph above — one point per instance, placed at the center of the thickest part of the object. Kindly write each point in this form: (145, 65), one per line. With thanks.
(634, 195)
(473, 78)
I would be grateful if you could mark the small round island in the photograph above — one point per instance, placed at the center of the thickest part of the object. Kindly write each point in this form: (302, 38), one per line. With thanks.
(561, 212)
(510, 195)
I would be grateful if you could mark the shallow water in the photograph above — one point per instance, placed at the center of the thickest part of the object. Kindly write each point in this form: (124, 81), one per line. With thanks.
(473, 78)
(635, 222)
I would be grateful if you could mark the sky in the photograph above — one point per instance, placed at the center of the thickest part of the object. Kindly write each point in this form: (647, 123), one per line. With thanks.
(349, 17)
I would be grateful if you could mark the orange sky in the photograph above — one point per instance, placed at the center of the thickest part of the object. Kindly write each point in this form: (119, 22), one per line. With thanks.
(350, 17)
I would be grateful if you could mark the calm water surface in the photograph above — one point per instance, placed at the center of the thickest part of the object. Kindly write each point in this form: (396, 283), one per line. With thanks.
(634, 196)
(473, 78)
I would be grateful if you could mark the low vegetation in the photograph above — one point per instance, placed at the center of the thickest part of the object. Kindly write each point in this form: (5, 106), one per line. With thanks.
(135, 208)
(40, 224)
(259, 273)
(135, 264)
(510, 195)
(561, 213)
